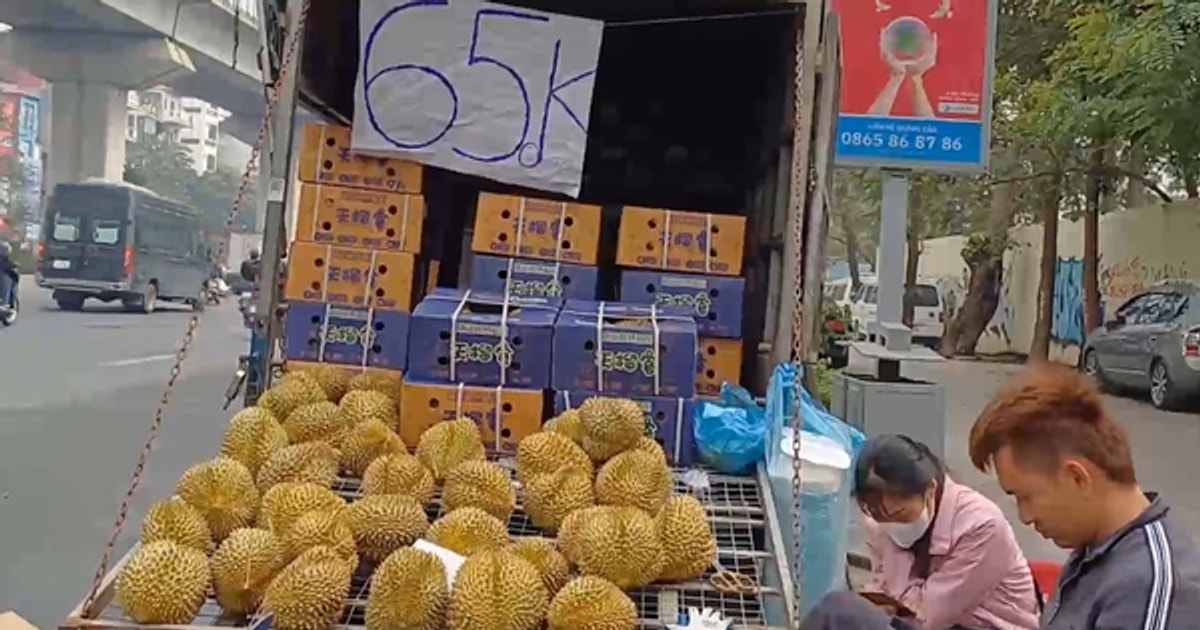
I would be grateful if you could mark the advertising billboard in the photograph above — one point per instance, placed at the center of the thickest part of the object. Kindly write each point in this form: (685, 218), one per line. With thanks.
(917, 84)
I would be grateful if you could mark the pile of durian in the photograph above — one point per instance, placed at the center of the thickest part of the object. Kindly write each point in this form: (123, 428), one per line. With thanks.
(260, 529)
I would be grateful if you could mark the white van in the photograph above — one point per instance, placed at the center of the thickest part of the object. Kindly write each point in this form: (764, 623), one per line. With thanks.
(928, 313)
(840, 292)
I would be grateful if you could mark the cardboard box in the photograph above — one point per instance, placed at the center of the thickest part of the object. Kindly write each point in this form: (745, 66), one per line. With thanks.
(524, 227)
(715, 301)
(671, 419)
(643, 350)
(346, 276)
(325, 158)
(457, 336)
(10, 620)
(325, 333)
(505, 415)
(350, 217)
(533, 278)
(396, 376)
(720, 361)
(694, 242)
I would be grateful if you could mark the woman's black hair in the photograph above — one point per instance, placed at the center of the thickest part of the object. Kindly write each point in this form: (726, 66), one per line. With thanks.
(894, 465)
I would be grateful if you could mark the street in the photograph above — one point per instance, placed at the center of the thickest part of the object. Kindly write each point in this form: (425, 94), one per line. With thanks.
(77, 398)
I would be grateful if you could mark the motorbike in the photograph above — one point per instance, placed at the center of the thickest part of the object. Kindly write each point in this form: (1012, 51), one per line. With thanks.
(248, 309)
(11, 306)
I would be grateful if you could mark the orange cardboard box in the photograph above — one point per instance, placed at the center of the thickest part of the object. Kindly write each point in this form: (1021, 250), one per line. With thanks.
(505, 415)
(353, 217)
(346, 276)
(694, 242)
(720, 361)
(325, 158)
(523, 227)
(395, 377)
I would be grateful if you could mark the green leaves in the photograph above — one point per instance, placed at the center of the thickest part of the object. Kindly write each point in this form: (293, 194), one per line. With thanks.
(163, 166)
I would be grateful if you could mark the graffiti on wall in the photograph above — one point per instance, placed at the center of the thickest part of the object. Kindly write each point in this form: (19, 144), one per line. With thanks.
(1118, 282)
(954, 292)
(1122, 280)
(1067, 325)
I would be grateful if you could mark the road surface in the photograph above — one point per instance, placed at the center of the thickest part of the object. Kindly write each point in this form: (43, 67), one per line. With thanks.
(77, 396)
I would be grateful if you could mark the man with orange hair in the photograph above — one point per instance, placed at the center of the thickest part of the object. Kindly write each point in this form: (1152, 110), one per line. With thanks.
(1067, 462)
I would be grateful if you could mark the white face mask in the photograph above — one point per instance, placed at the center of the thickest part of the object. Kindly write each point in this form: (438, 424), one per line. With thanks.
(907, 534)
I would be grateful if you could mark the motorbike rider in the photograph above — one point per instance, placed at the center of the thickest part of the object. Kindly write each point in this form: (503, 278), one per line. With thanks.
(252, 267)
(8, 274)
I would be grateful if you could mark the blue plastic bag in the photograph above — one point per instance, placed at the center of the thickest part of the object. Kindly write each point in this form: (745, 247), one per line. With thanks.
(730, 435)
(814, 417)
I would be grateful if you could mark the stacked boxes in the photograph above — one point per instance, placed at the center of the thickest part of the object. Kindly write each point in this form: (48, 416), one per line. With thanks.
(692, 260)
(529, 247)
(353, 272)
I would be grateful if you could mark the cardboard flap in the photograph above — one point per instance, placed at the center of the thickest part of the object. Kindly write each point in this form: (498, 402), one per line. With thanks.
(12, 621)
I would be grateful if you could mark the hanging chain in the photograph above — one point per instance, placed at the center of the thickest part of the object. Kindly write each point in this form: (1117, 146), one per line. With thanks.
(194, 323)
(799, 185)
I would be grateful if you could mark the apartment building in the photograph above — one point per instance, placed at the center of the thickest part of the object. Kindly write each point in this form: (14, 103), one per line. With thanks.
(194, 124)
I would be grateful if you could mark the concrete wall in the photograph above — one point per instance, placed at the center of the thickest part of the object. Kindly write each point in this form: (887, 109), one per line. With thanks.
(1137, 248)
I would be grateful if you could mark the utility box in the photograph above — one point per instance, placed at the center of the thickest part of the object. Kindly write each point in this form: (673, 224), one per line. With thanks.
(908, 407)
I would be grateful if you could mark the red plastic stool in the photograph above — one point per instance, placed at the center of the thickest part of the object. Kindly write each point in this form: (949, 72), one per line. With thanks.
(1045, 575)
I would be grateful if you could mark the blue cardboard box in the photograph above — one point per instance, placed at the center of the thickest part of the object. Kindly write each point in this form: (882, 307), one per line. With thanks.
(345, 335)
(482, 339)
(533, 278)
(715, 301)
(671, 421)
(625, 349)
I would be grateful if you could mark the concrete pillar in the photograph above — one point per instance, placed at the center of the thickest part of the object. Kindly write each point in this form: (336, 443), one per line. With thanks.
(89, 132)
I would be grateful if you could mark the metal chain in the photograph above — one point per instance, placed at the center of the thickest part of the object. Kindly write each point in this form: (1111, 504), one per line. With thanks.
(194, 322)
(796, 208)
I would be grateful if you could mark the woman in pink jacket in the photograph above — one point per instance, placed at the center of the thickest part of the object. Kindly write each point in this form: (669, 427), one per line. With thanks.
(941, 549)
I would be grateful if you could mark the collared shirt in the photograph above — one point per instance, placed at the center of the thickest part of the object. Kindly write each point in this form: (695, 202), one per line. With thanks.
(979, 577)
(1146, 576)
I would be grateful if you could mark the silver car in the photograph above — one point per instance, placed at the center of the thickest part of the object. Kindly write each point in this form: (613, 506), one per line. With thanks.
(1151, 344)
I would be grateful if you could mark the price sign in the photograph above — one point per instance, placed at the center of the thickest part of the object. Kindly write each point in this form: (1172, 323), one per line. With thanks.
(478, 88)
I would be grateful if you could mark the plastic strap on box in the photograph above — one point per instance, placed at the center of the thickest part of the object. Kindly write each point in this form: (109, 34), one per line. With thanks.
(454, 334)
(600, 348)
(503, 350)
(497, 416)
(328, 267)
(458, 400)
(666, 243)
(368, 333)
(316, 212)
(324, 334)
(520, 227)
(558, 244)
(678, 429)
(707, 244)
(657, 356)
(404, 224)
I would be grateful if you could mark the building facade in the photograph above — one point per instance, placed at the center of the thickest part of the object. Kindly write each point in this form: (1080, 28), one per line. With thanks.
(193, 124)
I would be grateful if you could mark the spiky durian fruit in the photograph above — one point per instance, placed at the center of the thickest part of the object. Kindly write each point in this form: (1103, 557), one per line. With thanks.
(467, 531)
(480, 484)
(408, 592)
(361, 405)
(497, 590)
(549, 498)
(366, 442)
(292, 391)
(591, 603)
(544, 452)
(253, 435)
(567, 423)
(610, 426)
(381, 382)
(317, 421)
(569, 531)
(550, 564)
(689, 545)
(309, 593)
(177, 521)
(323, 528)
(621, 545)
(333, 379)
(314, 462)
(399, 473)
(635, 478)
(448, 444)
(384, 523)
(164, 583)
(243, 566)
(647, 444)
(224, 492)
(288, 501)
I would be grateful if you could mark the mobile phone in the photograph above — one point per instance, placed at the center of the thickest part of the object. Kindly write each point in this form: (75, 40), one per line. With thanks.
(887, 601)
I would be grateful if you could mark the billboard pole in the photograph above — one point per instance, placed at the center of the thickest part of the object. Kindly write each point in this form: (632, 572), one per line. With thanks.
(893, 227)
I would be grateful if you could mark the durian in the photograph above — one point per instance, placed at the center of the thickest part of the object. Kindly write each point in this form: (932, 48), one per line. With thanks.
(549, 498)
(288, 501)
(480, 484)
(550, 564)
(635, 478)
(591, 603)
(365, 443)
(569, 531)
(163, 583)
(467, 531)
(358, 406)
(334, 380)
(383, 383)
(224, 492)
(309, 593)
(243, 566)
(647, 444)
(621, 545)
(292, 391)
(448, 444)
(314, 462)
(323, 528)
(314, 421)
(689, 546)
(408, 592)
(497, 590)
(384, 523)
(610, 426)
(399, 473)
(567, 423)
(543, 453)
(253, 435)
(177, 521)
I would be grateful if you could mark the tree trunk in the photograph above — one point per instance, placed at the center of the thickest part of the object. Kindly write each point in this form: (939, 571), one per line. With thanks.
(1191, 184)
(1091, 241)
(850, 235)
(916, 233)
(1135, 190)
(1050, 198)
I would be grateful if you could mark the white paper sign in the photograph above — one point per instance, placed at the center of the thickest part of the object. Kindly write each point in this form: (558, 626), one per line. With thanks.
(478, 88)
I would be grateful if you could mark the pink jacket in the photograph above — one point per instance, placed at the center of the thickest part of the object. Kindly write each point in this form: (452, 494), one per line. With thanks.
(979, 577)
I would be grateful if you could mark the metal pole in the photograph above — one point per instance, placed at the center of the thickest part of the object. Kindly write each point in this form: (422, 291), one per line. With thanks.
(893, 227)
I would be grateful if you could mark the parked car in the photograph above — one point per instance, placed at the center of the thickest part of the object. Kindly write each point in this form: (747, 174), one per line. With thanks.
(929, 315)
(1151, 345)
